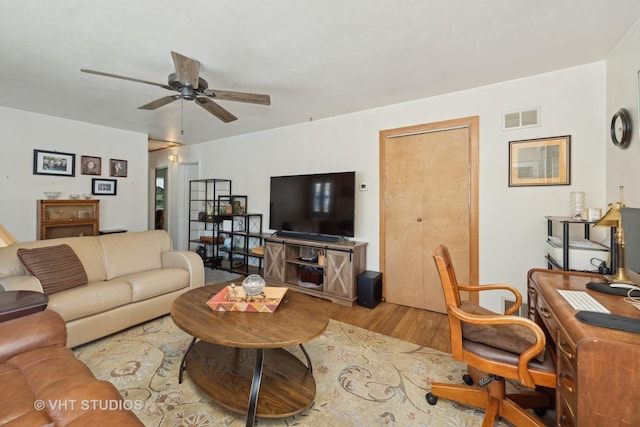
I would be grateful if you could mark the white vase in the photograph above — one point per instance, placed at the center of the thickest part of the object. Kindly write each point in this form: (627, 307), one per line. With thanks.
(576, 204)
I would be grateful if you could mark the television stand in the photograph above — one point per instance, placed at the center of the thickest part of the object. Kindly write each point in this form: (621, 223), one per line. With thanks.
(332, 276)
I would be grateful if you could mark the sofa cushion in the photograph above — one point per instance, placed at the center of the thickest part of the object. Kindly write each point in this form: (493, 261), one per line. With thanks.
(53, 374)
(90, 299)
(91, 253)
(129, 253)
(152, 283)
(512, 338)
(56, 267)
(16, 399)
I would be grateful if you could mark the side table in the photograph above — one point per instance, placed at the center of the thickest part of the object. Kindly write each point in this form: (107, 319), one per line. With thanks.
(113, 231)
(15, 304)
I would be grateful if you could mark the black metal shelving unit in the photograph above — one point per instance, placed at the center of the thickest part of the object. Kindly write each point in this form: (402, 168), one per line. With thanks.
(203, 203)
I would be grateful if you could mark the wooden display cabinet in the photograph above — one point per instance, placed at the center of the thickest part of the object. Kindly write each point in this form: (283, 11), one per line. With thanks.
(68, 218)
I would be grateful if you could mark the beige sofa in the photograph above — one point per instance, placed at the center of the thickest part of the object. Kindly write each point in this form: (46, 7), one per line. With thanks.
(132, 278)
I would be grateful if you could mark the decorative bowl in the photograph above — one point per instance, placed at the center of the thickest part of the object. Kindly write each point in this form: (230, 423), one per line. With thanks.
(87, 195)
(253, 285)
(52, 194)
(74, 196)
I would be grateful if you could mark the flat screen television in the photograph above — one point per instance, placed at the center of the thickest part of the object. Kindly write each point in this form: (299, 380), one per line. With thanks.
(315, 206)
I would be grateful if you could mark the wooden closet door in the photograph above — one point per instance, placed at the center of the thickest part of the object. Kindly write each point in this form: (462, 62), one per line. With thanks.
(426, 191)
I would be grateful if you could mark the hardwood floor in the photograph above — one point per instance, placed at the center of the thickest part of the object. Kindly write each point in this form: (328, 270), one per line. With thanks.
(422, 327)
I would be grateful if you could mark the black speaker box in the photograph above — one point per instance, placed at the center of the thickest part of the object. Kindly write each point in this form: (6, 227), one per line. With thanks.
(369, 288)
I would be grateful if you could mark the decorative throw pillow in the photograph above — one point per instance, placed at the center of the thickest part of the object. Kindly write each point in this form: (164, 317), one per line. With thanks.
(512, 338)
(56, 267)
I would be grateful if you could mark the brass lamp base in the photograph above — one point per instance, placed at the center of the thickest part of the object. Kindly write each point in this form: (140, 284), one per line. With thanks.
(619, 277)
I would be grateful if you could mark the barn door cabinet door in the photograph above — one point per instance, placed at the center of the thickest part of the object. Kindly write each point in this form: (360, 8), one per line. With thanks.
(341, 270)
(274, 261)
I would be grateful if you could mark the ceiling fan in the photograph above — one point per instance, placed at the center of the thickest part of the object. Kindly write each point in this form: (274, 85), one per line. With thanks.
(191, 87)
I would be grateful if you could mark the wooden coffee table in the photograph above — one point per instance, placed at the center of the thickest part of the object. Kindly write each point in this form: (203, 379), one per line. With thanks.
(239, 359)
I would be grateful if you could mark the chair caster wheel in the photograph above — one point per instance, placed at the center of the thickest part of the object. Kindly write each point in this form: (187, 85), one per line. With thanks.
(467, 379)
(431, 398)
(541, 412)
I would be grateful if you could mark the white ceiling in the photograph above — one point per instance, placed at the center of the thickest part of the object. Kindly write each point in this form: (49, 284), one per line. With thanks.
(316, 58)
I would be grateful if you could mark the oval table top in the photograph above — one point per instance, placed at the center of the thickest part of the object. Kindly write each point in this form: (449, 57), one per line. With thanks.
(297, 320)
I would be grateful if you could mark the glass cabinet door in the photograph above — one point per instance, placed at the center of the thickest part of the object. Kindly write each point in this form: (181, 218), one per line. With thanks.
(69, 212)
(68, 218)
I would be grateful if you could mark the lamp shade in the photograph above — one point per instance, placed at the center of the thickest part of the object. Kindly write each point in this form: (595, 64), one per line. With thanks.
(6, 239)
(612, 218)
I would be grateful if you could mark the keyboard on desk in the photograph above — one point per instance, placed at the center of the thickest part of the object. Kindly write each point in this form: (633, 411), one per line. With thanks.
(582, 301)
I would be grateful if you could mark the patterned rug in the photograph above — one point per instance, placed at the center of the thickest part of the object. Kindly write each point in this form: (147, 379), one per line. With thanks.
(363, 379)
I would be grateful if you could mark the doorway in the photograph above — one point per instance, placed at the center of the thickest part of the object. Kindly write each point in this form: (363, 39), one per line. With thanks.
(428, 196)
(180, 230)
(160, 222)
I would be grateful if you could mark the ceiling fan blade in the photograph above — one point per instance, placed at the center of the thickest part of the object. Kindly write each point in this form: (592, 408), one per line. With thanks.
(159, 102)
(188, 69)
(216, 110)
(100, 73)
(227, 95)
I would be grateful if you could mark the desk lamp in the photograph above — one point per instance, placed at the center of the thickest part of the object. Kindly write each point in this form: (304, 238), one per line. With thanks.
(6, 239)
(613, 218)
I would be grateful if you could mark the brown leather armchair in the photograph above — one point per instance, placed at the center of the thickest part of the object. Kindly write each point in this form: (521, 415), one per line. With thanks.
(43, 384)
(495, 347)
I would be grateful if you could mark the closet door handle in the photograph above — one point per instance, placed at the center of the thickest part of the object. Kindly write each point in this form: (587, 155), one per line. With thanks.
(419, 219)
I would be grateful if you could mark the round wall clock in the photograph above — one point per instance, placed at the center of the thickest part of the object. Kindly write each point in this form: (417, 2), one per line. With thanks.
(621, 128)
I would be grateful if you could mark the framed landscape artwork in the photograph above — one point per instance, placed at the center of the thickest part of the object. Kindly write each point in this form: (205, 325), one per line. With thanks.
(104, 187)
(53, 163)
(544, 161)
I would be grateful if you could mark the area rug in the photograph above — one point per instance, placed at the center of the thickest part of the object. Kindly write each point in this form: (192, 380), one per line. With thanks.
(363, 379)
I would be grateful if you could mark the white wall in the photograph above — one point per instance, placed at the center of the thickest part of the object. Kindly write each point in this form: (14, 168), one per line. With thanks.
(512, 223)
(623, 65)
(22, 132)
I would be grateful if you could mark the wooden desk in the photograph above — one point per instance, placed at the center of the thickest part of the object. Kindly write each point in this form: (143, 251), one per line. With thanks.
(241, 354)
(598, 368)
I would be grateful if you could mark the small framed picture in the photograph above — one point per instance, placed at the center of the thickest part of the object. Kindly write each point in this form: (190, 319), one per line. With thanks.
(91, 165)
(104, 187)
(54, 163)
(118, 168)
(543, 161)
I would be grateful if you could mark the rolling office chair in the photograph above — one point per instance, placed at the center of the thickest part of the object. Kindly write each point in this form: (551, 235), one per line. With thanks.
(495, 347)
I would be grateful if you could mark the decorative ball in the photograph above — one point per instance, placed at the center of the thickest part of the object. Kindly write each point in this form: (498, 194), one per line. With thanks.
(253, 285)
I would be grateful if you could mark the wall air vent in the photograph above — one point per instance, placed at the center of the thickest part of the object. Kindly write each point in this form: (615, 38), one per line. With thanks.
(523, 118)
(523, 310)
